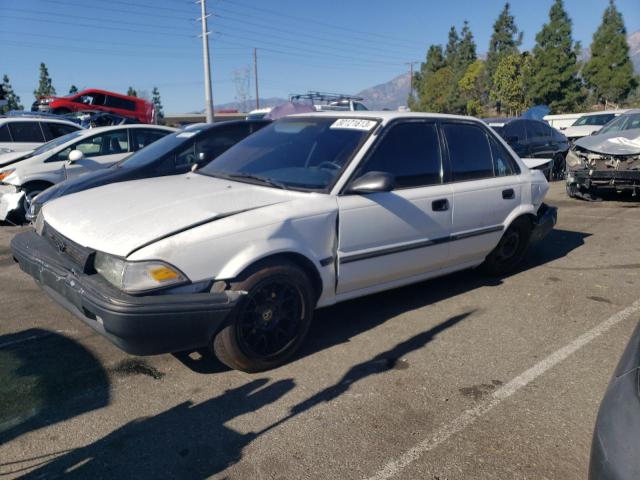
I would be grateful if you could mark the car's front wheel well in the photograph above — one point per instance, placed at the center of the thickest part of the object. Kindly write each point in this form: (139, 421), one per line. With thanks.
(297, 259)
(36, 185)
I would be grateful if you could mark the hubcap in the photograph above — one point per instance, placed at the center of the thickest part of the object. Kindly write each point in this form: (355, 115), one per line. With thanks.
(270, 318)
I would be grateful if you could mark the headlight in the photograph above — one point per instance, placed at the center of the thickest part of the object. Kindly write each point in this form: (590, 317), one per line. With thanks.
(5, 173)
(573, 160)
(134, 277)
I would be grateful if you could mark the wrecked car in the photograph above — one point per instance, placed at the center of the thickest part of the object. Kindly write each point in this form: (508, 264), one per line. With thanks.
(607, 161)
(311, 210)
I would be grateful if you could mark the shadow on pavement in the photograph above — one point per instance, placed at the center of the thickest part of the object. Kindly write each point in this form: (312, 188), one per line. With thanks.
(188, 441)
(46, 378)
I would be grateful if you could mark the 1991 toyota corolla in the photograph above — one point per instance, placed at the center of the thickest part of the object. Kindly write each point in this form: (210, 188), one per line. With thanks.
(309, 211)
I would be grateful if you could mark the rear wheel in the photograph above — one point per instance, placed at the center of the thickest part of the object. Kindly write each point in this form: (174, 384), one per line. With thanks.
(271, 320)
(558, 167)
(511, 249)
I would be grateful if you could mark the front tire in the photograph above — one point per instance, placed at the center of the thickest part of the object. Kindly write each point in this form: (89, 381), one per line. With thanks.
(511, 249)
(271, 320)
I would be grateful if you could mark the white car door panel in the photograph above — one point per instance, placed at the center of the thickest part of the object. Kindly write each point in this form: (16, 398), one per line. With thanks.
(387, 236)
(100, 151)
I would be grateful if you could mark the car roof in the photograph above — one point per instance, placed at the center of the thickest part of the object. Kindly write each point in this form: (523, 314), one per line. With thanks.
(606, 112)
(35, 118)
(91, 131)
(385, 116)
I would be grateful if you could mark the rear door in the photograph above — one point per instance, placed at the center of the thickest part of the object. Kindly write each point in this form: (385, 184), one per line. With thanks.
(486, 189)
(100, 151)
(540, 139)
(26, 135)
(141, 137)
(515, 135)
(389, 237)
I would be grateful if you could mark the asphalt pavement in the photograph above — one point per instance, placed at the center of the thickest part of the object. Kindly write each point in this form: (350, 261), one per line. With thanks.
(461, 377)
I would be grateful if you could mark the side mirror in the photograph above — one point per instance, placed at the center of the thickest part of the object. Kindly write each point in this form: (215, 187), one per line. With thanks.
(75, 155)
(373, 182)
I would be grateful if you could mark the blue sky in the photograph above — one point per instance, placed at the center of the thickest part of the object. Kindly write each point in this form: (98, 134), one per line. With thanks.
(328, 45)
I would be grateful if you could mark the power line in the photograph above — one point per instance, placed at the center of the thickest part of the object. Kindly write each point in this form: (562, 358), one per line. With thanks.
(128, 12)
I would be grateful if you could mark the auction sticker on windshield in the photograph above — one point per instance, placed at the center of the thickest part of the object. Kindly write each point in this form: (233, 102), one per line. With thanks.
(354, 124)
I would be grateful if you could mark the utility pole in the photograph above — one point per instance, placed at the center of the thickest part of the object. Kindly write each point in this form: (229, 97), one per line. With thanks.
(208, 98)
(411, 77)
(255, 75)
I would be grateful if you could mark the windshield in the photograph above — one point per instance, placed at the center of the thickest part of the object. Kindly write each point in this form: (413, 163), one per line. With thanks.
(159, 148)
(623, 122)
(45, 147)
(593, 119)
(302, 153)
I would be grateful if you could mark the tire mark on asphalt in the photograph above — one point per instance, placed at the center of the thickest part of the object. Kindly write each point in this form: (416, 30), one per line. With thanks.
(467, 418)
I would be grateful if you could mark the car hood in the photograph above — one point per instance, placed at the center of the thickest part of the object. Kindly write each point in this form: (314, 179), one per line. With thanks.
(12, 157)
(121, 217)
(625, 142)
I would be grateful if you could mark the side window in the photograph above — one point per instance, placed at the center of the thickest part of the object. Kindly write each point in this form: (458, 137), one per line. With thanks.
(359, 106)
(91, 99)
(514, 133)
(110, 143)
(187, 156)
(141, 137)
(503, 163)
(409, 151)
(469, 152)
(538, 131)
(4, 134)
(219, 140)
(54, 130)
(122, 103)
(26, 132)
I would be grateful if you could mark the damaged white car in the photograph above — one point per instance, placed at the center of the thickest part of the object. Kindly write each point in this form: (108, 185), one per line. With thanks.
(607, 161)
(312, 210)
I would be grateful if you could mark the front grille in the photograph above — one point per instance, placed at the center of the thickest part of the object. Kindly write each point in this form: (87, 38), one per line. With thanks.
(79, 255)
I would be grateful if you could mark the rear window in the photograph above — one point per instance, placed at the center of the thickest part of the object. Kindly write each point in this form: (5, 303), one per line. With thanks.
(469, 151)
(121, 103)
(26, 132)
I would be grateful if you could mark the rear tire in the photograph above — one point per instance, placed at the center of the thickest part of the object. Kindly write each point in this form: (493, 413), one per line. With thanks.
(511, 249)
(270, 322)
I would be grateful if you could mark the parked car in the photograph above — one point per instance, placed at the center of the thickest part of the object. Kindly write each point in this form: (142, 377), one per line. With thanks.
(66, 157)
(589, 124)
(19, 133)
(608, 161)
(311, 210)
(176, 153)
(99, 100)
(614, 449)
(534, 139)
(560, 121)
(92, 119)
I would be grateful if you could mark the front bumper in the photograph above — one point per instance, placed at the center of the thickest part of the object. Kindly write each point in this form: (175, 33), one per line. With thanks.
(546, 218)
(10, 200)
(617, 179)
(140, 325)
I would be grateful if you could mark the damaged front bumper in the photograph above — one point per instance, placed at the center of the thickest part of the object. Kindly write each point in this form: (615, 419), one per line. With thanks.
(545, 220)
(613, 179)
(10, 200)
(140, 325)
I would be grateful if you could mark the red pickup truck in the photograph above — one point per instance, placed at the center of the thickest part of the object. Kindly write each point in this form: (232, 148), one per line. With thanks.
(100, 100)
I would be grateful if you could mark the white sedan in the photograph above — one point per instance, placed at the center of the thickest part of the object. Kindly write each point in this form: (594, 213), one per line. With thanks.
(25, 174)
(312, 210)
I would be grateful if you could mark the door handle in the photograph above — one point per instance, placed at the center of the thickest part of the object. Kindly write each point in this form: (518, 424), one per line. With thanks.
(508, 194)
(441, 205)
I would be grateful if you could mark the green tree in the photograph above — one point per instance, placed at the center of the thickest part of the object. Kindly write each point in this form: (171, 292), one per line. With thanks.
(466, 49)
(13, 100)
(45, 86)
(436, 91)
(73, 90)
(554, 77)
(451, 50)
(473, 88)
(157, 103)
(433, 62)
(131, 92)
(505, 40)
(508, 83)
(609, 72)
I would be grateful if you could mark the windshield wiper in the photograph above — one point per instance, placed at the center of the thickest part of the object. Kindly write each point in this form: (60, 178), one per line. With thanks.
(269, 181)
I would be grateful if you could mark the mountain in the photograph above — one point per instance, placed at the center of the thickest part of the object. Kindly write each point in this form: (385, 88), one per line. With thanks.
(633, 39)
(391, 94)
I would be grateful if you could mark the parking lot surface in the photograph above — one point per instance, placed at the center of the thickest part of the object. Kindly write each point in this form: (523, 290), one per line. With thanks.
(462, 377)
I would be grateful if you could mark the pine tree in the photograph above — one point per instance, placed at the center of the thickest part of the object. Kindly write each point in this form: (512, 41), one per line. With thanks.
(131, 92)
(505, 40)
(554, 75)
(609, 72)
(13, 100)
(45, 86)
(451, 51)
(466, 49)
(73, 90)
(157, 103)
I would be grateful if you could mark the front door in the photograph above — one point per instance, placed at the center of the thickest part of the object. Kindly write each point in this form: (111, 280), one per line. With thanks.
(388, 237)
(100, 151)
